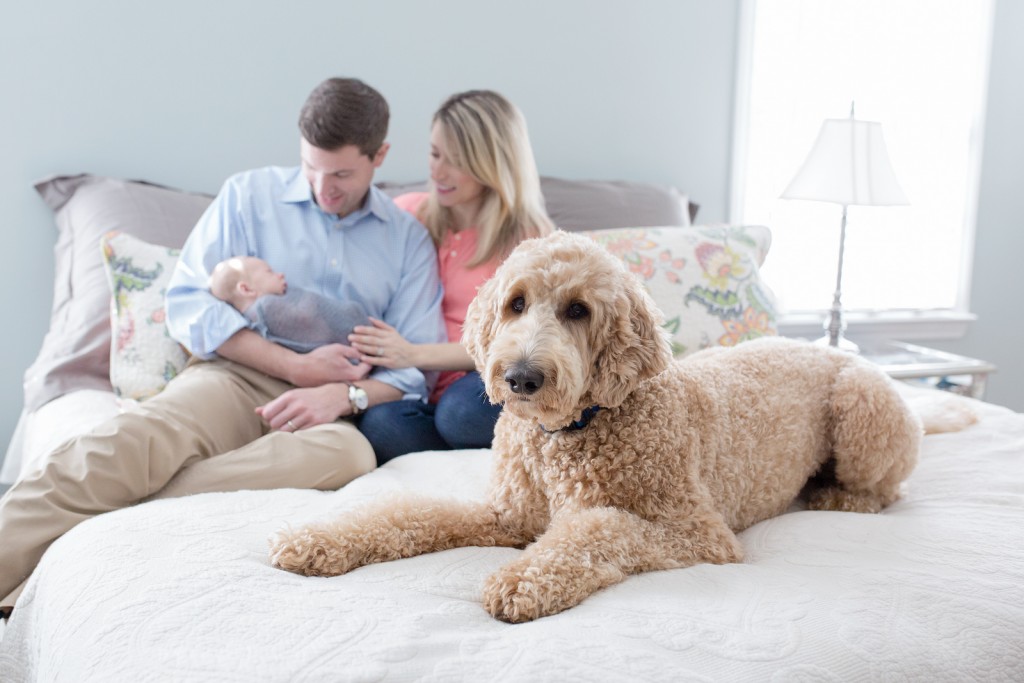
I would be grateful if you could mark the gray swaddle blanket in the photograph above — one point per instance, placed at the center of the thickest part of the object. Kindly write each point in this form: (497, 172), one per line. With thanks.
(303, 320)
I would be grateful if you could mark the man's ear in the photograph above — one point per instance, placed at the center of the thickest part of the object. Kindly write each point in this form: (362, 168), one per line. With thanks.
(378, 158)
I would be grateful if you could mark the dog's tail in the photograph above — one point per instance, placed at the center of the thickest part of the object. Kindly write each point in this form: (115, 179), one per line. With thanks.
(939, 411)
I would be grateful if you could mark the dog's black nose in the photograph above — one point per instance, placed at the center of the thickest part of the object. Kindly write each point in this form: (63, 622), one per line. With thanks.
(523, 379)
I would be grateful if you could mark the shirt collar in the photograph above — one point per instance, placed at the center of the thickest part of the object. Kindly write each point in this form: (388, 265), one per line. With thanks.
(298, 190)
(376, 203)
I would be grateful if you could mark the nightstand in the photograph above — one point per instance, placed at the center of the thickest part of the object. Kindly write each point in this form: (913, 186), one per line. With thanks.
(930, 367)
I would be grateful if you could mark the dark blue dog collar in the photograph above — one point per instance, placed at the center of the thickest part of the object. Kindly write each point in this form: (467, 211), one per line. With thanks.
(585, 418)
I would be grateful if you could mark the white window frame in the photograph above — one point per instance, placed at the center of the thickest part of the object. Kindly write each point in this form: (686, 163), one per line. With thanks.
(888, 324)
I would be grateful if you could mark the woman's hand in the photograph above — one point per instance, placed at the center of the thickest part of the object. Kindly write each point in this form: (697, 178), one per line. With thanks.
(382, 345)
(304, 408)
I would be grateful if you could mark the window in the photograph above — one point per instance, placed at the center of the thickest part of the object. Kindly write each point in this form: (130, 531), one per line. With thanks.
(919, 67)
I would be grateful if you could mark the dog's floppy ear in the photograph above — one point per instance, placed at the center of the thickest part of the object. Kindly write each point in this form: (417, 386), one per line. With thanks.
(637, 346)
(481, 321)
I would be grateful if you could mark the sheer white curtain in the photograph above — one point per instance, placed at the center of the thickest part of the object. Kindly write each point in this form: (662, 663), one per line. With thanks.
(919, 67)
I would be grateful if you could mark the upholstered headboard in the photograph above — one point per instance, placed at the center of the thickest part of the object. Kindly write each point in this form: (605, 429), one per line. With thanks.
(576, 205)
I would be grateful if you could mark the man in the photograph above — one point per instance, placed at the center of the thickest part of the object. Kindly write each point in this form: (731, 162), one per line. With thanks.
(248, 413)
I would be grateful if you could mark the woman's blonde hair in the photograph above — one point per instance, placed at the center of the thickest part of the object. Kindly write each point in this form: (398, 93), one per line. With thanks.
(485, 136)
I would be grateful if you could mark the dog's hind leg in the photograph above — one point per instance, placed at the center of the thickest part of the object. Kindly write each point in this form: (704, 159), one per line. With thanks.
(586, 550)
(390, 530)
(875, 443)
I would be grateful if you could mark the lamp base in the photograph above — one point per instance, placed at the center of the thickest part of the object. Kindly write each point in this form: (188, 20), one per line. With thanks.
(842, 343)
(835, 323)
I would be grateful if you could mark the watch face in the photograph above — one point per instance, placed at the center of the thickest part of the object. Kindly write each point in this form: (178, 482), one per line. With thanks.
(358, 397)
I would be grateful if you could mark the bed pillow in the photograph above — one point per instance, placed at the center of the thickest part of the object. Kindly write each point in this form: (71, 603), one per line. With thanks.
(75, 353)
(577, 205)
(705, 279)
(143, 356)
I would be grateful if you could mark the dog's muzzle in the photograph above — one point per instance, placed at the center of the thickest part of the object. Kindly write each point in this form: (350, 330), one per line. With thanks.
(524, 379)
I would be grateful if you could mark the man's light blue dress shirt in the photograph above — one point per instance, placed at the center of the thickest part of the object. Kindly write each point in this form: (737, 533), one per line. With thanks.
(379, 256)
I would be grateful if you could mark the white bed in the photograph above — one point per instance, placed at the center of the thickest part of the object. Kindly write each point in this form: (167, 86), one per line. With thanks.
(932, 589)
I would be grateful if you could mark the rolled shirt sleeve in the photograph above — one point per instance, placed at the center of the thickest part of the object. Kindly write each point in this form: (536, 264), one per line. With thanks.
(196, 318)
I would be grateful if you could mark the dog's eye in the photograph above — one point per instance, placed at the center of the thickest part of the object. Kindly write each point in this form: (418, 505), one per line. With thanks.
(577, 311)
(518, 304)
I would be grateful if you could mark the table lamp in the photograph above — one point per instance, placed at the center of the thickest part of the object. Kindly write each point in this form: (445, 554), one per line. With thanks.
(848, 165)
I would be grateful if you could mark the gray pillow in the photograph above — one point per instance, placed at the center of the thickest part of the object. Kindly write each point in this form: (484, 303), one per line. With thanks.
(576, 205)
(75, 353)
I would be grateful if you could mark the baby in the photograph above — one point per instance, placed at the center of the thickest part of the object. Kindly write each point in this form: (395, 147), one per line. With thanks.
(297, 318)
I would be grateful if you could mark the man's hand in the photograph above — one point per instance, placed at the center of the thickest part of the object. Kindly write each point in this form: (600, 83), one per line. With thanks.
(304, 408)
(323, 365)
(326, 364)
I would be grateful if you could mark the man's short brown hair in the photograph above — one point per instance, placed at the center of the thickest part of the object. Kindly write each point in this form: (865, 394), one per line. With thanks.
(345, 111)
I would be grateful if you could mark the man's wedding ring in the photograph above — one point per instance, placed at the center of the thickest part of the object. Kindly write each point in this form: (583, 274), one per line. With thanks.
(380, 351)
(291, 424)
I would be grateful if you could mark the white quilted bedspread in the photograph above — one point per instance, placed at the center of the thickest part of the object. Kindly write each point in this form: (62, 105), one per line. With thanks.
(180, 590)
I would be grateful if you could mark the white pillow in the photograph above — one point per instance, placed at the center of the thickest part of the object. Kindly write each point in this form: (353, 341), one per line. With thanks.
(704, 278)
(143, 356)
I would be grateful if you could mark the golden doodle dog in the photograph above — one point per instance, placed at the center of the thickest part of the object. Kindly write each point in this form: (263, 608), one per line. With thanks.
(610, 458)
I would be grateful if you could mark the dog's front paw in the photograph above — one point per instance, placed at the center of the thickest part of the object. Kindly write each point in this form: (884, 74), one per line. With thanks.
(514, 597)
(312, 551)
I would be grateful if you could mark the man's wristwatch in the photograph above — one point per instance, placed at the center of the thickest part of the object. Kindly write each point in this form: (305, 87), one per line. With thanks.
(358, 399)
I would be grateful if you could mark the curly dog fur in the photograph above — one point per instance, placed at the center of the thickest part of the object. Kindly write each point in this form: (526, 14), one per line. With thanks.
(677, 458)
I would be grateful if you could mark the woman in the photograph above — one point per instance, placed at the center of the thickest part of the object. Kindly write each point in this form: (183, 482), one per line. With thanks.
(484, 199)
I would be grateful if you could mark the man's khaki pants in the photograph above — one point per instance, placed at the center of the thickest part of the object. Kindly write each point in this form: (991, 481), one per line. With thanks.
(201, 433)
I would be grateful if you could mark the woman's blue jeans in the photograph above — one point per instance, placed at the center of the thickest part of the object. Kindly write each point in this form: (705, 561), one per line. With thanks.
(462, 418)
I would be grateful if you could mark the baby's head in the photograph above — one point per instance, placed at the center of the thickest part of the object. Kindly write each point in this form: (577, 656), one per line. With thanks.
(241, 280)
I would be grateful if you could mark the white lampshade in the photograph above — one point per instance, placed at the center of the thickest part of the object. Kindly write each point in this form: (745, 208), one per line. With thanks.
(848, 165)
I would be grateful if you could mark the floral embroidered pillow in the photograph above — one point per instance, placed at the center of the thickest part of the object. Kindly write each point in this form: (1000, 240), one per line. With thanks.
(143, 356)
(705, 279)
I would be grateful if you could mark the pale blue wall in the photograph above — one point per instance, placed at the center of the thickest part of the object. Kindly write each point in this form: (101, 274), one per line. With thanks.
(997, 297)
(186, 93)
